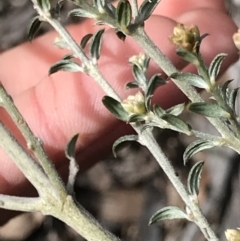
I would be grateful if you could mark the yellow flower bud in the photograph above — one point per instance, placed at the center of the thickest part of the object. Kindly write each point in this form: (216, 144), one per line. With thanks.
(236, 39)
(232, 234)
(138, 59)
(134, 104)
(186, 37)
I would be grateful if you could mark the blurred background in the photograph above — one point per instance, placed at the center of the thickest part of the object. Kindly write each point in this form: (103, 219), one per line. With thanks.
(123, 193)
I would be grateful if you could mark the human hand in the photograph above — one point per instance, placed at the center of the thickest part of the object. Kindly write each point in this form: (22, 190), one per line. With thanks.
(59, 106)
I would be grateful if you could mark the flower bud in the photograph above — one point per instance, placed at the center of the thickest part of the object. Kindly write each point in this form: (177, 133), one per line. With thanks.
(236, 39)
(186, 37)
(232, 234)
(138, 59)
(134, 104)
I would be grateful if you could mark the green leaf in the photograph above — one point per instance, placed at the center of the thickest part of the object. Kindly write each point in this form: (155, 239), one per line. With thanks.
(194, 177)
(68, 57)
(132, 85)
(176, 110)
(224, 89)
(121, 140)
(70, 153)
(179, 125)
(232, 98)
(100, 4)
(196, 147)
(82, 13)
(215, 66)
(134, 118)
(158, 111)
(141, 64)
(139, 75)
(65, 65)
(110, 9)
(154, 82)
(167, 213)
(191, 79)
(120, 35)
(208, 109)
(85, 40)
(115, 108)
(146, 10)
(33, 28)
(71, 146)
(124, 14)
(95, 44)
(148, 102)
(187, 55)
(44, 5)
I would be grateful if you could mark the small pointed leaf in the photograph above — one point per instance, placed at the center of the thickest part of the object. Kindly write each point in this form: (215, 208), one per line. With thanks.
(134, 118)
(196, 147)
(232, 98)
(191, 79)
(179, 125)
(100, 5)
(176, 110)
(132, 85)
(158, 111)
(194, 178)
(44, 5)
(115, 108)
(85, 40)
(33, 28)
(146, 10)
(139, 75)
(148, 102)
(208, 109)
(68, 57)
(95, 44)
(65, 65)
(215, 66)
(154, 82)
(124, 14)
(224, 89)
(168, 213)
(120, 35)
(71, 146)
(121, 140)
(187, 55)
(79, 12)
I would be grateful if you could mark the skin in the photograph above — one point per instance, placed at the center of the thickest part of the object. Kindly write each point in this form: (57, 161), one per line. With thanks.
(59, 106)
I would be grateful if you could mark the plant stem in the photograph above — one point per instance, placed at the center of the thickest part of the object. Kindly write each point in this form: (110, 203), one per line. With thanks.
(34, 144)
(149, 141)
(24, 204)
(75, 216)
(164, 63)
(23, 160)
(80, 220)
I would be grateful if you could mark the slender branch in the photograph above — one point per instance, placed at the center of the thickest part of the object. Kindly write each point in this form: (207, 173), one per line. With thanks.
(80, 220)
(23, 160)
(24, 204)
(148, 140)
(34, 144)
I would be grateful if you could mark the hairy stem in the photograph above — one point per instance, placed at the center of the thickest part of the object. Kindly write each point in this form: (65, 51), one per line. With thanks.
(164, 63)
(34, 144)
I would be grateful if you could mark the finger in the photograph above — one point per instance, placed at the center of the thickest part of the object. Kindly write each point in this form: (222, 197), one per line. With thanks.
(23, 67)
(174, 8)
